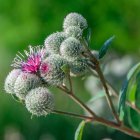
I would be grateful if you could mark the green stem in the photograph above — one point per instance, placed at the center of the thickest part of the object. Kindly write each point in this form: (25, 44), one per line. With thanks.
(121, 128)
(101, 76)
(72, 115)
(77, 100)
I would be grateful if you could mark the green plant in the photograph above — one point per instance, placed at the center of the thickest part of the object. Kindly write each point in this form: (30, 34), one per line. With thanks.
(67, 54)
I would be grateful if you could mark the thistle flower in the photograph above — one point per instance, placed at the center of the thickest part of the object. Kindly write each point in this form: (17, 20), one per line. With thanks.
(75, 19)
(73, 31)
(51, 71)
(30, 61)
(10, 80)
(78, 66)
(71, 47)
(53, 42)
(24, 83)
(39, 101)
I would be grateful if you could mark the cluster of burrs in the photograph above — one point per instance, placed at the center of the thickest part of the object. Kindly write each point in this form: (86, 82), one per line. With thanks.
(44, 66)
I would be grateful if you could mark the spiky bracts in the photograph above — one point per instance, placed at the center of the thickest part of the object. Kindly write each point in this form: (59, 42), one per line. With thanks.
(51, 70)
(53, 42)
(78, 67)
(74, 31)
(24, 83)
(71, 48)
(10, 80)
(75, 19)
(39, 101)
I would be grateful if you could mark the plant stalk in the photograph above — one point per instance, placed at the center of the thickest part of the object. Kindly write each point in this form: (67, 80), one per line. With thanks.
(101, 76)
(121, 128)
(102, 121)
(72, 115)
(85, 107)
(78, 101)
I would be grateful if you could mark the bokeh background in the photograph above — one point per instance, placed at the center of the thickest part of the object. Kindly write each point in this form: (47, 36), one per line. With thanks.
(29, 22)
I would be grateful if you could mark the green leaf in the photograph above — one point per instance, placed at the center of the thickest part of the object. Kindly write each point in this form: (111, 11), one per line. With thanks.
(122, 113)
(88, 38)
(133, 116)
(17, 99)
(137, 94)
(128, 90)
(133, 119)
(65, 68)
(122, 99)
(105, 47)
(132, 79)
(131, 97)
(79, 131)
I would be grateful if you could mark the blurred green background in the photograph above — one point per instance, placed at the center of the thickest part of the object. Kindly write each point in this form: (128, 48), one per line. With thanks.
(28, 22)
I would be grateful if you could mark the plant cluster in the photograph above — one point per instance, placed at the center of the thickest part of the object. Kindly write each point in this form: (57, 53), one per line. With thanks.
(66, 54)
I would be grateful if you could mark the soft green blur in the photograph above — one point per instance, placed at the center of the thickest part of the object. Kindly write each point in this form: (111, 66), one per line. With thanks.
(28, 22)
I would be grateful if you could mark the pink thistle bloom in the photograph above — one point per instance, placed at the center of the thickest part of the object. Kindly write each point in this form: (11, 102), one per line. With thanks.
(44, 68)
(31, 61)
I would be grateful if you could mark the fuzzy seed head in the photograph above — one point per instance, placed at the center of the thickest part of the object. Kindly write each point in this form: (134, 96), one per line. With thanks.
(24, 83)
(75, 19)
(10, 80)
(78, 67)
(53, 41)
(71, 47)
(39, 101)
(73, 31)
(51, 71)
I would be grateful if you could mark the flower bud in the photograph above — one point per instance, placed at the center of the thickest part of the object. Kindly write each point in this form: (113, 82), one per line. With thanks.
(78, 67)
(24, 83)
(73, 31)
(10, 80)
(39, 101)
(75, 19)
(53, 42)
(71, 47)
(50, 70)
